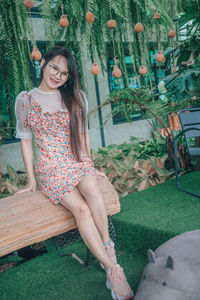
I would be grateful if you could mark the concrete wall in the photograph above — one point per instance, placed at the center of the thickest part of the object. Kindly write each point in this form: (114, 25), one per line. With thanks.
(11, 155)
(113, 134)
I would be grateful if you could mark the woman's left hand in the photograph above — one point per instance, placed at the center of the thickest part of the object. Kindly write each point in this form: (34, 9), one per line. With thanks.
(98, 173)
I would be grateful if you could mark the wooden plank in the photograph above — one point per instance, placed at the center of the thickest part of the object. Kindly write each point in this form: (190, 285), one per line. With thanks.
(31, 217)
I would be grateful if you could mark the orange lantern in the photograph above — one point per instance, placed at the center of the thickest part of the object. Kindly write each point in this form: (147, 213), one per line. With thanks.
(64, 22)
(90, 17)
(95, 70)
(160, 56)
(36, 54)
(156, 16)
(138, 27)
(171, 33)
(116, 72)
(28, 4)
(142, 70)
(112, 24)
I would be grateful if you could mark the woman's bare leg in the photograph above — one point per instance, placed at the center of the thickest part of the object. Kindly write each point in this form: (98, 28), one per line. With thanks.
(88, 187)
(75, 203)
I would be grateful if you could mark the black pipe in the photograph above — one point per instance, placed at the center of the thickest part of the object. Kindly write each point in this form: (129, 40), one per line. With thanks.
(99, 112)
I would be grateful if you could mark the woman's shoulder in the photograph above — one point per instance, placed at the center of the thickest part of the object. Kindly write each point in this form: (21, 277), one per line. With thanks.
(24, 95)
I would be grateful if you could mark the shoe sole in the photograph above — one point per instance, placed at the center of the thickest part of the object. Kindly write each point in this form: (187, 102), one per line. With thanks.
(116, 297)
(102, 266)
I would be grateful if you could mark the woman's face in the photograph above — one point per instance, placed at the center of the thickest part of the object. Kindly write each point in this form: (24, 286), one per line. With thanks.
(55, 73)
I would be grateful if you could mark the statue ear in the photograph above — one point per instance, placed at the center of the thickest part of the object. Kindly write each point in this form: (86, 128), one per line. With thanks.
(151, 256)
(42, 63)
(170, 263)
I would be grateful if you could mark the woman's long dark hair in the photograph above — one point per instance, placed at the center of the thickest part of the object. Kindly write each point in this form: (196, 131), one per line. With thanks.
(72, 97)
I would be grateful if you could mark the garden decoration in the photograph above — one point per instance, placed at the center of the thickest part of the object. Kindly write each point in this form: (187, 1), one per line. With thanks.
(64, 22)
(90, 17)
(156, 16)
(91, 39)
(116, 72)
(28, 4)
(112, 24)
(142, 70)
(171, 33)
(138, 27)
(160, 56)
(95, 70)
(36, 54)
(173, 270)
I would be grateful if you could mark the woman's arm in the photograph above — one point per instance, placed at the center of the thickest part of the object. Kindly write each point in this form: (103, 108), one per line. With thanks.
(85, 143)
(27, 153)
(86, 149)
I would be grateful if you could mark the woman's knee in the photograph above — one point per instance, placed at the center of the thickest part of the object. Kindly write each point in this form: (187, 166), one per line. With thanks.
(84, 211)
(76, 205)
(89, 187)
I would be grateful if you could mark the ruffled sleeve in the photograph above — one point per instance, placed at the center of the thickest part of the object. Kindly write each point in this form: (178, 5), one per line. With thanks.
(86, 110)
(22, 107)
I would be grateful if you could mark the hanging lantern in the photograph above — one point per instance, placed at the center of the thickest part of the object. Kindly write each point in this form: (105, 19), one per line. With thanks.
(156, 16)
(112, 24)
(64, 22)
(160, 56)
(90, 17)
(171, 33)
(95, 70)
(142, 70)
(36, 54)
(138, 27)
(28, 4)
(116, 72)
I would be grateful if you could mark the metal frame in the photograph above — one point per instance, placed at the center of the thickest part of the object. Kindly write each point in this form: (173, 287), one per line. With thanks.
(183, 132)
(73, 236)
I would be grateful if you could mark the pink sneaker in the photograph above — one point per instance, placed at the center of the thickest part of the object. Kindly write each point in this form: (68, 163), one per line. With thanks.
(117, 282)
(110, 249)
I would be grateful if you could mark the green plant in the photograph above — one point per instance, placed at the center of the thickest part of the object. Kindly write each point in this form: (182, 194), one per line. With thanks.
(133, 167)
(12, 182)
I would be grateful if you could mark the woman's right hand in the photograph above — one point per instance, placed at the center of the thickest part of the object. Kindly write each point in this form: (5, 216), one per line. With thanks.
(30, 186)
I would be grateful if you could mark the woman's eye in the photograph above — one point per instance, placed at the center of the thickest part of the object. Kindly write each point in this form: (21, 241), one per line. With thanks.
(55, 68)
(145, 276)
(164, 283)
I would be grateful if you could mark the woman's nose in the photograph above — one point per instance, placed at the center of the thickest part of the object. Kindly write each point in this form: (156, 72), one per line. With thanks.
(58, 75)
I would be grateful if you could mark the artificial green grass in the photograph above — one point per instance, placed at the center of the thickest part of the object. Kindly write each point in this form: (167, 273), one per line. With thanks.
(147, 219)
(154, 215)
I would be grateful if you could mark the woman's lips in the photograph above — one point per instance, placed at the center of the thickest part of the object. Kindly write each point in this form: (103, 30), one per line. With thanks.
(54, 81)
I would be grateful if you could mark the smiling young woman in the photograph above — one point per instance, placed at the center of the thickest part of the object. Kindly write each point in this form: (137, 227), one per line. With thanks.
(56, 113)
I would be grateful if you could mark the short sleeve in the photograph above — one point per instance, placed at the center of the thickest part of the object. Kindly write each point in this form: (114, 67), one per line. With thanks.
(86, 110)
(22, 106)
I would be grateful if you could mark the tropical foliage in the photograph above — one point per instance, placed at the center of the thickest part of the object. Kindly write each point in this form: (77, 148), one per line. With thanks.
(130, 167)
(135, 166)
(89, 42)
(15, 72)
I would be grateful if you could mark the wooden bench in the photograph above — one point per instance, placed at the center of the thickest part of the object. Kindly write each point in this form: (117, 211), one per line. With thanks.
(30, 217)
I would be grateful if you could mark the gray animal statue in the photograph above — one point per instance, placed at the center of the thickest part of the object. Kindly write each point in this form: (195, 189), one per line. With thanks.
(173, 270)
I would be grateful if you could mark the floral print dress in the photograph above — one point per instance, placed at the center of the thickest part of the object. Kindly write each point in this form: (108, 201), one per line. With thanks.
(44, 115)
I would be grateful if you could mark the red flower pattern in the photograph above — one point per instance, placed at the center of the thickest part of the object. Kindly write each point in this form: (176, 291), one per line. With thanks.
(57, 170)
